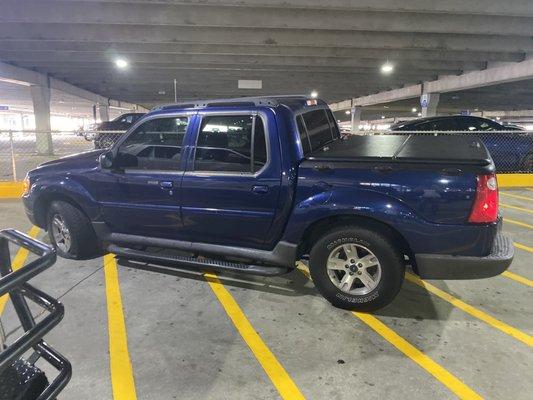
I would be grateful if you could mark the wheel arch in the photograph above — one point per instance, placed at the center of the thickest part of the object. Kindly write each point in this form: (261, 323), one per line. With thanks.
(42, 205)
(320, 227)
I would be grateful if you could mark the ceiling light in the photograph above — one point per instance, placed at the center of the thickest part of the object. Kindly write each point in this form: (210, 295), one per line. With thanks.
(387, 68)
(382, 117)
(121, 63)
(497, 118)
(419, 114)
(414, 109)
(347, 112)
(314, 94)
(161, 92)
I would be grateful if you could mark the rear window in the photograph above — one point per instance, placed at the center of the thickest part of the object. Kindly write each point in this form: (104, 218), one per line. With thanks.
(316, 128)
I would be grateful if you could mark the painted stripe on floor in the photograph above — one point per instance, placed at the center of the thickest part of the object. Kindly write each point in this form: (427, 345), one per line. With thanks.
(516, 196)
(517, 278)
(445, 377)
(523, 247)
(471, 310)
(519, 223)
(275, 371)
(120, 367)
(516, 208)
(18, 262)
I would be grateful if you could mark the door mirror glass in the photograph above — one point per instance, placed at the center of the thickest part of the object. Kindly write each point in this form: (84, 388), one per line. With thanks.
(106, 160)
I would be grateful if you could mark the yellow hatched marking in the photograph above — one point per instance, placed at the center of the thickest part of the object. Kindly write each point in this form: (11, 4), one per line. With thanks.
(275, 371)
(445, 377)
(122, 381)
(516, 196)
(512, 221)
(523, 247)
(518, 278)
(471, 310)
(516, 208)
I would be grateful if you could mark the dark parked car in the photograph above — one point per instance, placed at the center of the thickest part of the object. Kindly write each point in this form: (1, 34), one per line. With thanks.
(511, 150)
(253, 185)
(108, 132)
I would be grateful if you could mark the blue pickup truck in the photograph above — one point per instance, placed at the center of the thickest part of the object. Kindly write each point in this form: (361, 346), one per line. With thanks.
(254, 185)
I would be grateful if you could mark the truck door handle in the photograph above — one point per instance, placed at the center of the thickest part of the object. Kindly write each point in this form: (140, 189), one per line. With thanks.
(165, 184)
(260, 189)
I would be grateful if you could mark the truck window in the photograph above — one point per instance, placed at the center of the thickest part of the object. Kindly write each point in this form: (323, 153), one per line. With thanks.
(304, 140)
(225, 144)
(154, 145)
(318, 128)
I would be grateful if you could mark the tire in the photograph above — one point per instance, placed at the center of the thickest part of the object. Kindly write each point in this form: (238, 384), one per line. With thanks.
(82, 243)
(22, 381)
(384, 264)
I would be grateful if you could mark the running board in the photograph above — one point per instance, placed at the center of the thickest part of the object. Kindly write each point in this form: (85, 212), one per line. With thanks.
(195, 263)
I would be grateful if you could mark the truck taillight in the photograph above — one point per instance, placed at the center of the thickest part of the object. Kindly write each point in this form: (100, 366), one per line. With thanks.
(485, 207)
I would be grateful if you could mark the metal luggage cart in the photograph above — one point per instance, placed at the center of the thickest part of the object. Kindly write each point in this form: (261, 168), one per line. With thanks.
(20, 379)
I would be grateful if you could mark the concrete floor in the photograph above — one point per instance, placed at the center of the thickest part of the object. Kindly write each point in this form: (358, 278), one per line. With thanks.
(183, 345)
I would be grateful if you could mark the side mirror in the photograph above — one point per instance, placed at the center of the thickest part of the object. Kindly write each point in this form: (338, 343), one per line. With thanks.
(106, 159)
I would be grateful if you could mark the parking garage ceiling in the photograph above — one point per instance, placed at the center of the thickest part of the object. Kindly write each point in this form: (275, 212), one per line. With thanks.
(293, 46)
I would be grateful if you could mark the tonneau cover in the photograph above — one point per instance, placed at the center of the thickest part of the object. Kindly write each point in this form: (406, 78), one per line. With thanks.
(442, 149)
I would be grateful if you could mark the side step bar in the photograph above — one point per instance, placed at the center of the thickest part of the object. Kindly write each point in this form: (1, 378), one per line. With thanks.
(195, 263)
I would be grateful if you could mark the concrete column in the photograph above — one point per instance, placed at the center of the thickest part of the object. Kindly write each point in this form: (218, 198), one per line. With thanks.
(355, 118)
(429, 103)
(103, 111)
(40, 95)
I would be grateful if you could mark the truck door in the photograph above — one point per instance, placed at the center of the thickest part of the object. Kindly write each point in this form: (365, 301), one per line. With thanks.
(149, 169)
(231, 187)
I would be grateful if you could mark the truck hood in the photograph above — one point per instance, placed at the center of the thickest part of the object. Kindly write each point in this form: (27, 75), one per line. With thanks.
(86, 160)
(444, 149)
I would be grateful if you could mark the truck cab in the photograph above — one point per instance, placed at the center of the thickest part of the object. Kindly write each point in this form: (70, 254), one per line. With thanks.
(253, 185)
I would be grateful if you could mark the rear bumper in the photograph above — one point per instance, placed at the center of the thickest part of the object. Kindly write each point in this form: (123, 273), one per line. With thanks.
(442, 266)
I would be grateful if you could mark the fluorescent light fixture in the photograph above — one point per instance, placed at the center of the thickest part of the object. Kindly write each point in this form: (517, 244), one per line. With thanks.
(121, 63)
(382, 117)
(249, 84)
(414, 109)
(498, 118)
(314, 94)
(14, 81)
(348, 112)
(161, 92)
(419, 114)
(387, 68)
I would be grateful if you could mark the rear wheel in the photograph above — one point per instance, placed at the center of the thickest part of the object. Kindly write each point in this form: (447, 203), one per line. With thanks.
(356, 268)
(70, 231)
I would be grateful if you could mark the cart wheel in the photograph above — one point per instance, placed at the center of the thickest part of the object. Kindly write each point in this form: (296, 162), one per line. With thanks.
(22, 381)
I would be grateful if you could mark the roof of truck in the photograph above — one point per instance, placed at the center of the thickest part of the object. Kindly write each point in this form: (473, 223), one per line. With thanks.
(293, 102)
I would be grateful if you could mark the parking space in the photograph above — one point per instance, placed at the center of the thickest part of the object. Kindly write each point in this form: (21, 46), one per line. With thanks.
(159, 333)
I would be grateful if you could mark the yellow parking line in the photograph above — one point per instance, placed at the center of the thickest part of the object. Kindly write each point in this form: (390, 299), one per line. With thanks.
(516, 208)
(120, 367)
(523, 247)
(495, 323)
(516, 196)
(18, 262)
(512, 221)
(518, 278)
(449, 380)
(275, 371)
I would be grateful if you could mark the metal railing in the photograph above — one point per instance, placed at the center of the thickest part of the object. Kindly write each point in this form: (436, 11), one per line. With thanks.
(21, 151)
(14, 283)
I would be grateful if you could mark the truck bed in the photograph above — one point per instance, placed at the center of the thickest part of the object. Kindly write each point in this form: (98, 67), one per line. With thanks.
(447, 149)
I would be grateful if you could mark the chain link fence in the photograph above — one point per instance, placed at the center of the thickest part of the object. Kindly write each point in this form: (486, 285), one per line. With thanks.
(21, 151)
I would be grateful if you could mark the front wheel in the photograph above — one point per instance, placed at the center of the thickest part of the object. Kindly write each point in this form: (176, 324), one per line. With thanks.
(356, 268)
(71, 232)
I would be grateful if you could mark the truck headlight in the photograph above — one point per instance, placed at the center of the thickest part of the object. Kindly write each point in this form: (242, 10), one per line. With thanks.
(26, 186)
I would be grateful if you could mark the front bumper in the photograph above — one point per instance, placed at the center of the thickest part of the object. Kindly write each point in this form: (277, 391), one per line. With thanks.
(443, 266)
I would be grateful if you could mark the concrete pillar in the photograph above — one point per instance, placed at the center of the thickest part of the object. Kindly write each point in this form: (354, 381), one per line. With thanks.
(103, 111)
(40, 95)
(429, 103)
(355, 118)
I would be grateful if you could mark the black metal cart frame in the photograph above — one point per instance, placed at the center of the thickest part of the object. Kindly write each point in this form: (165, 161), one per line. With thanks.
(15, 284)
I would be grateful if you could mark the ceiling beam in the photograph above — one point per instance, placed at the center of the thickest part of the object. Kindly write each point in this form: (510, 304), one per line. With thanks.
(228, 35)
(180, 15)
